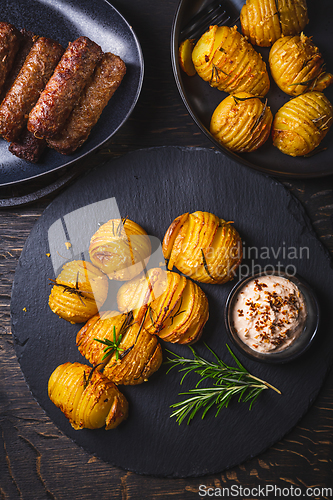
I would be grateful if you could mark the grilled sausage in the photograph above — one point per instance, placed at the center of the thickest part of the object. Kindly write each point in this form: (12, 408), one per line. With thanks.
(23, 94)
(104, 82)
(27, 40)
(64, 88)
(28, 147)
(9, 45)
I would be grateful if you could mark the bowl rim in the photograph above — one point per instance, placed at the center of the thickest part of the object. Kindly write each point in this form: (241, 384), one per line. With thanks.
(304, 340)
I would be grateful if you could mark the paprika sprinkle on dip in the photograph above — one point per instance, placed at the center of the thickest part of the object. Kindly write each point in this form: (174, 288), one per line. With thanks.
(269, 313)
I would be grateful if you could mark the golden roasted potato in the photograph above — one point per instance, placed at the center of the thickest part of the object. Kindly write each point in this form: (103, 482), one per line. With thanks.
(203, 246)
(176, 313)
(87, 398)
(120, 248)
(133, 355)
(140, 291)
(293, 16)
(78, 292)
(264, 21)
(224, 58)
(302, 123)
(185, 57)
(241, 122)
(297, 65)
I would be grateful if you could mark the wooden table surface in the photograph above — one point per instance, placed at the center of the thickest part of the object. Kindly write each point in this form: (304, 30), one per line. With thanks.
(36, 460)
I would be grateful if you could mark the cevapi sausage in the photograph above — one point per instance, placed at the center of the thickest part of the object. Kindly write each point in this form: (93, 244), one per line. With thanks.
(9, 45)
(104, 82)
(64, 88)
(27, 40)
(28, 147)
(23, 94)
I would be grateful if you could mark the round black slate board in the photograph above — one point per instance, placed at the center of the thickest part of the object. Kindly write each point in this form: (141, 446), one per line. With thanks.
(152, 187)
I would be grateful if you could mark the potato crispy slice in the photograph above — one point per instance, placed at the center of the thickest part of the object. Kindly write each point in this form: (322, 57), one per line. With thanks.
(302, 123)
(87, 398)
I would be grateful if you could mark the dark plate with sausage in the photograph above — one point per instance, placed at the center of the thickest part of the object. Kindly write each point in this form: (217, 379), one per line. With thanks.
(65, 22)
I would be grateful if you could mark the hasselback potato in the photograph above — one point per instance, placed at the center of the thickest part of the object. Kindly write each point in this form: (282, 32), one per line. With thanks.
(297, 65)
(264, 21)
(137, 353)
(224, 58)
(302, 123)
(87, 398)
(78, 292)
(177, 313)
(141, 291)
(241, 122)
(203, 246)
(120, 248)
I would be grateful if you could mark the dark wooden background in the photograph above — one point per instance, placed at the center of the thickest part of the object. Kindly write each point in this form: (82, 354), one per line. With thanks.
(36, 460)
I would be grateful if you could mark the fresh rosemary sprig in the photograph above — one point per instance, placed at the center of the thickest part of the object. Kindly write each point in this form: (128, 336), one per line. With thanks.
(229, 381)
(111, 345)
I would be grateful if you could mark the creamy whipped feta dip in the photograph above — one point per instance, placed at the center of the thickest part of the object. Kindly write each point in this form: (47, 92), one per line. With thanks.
(269, 313)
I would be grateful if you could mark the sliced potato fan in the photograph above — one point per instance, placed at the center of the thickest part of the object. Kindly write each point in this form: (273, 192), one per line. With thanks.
(224, 58)
(265, 21)
(241, 122)
(87, 398)
(120, 248)
(177, 314)
(138, 353)
(302, 123)
(78, 292)
(203, 246)
(293, 15)
(297, 65)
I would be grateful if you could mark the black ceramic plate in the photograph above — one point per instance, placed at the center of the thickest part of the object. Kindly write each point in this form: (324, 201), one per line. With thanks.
(153, 187)
(201, 100)
(66, 20)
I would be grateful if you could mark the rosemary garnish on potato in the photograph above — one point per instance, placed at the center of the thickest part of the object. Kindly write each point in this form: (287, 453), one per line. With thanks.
(111, 345)
(215, 73)
(240, 99)
(228, 382)
(121, 225)
(260, 117)
(311, 83)
(206, 265)
(86, 380)
(71, 289)
(320, 123)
